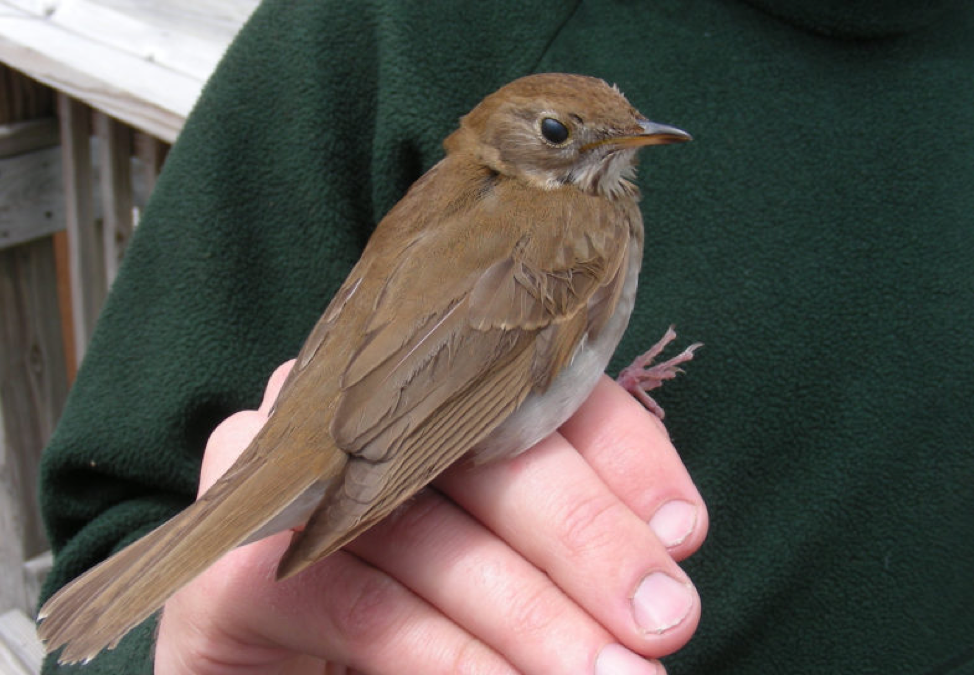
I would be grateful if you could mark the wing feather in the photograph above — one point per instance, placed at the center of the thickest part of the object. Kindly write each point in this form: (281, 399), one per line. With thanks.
(450, 352)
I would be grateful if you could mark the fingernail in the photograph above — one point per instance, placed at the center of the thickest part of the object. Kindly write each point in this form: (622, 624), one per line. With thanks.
(673, 522)
(661, 602)
(617, 660)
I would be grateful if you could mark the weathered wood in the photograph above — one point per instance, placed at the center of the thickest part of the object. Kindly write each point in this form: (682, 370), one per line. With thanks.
(115, 163)
(151, 154)
(21, 653)
(32, 379)
(19, 137)
(139, 92)
(143, 63)
(35, 572)
(31, 202)
(32, 393)
(62, 264)
(30, 170)
(156, 36)
(12, 587)
(39, 7)
(140, 63)
(214, 20)
(87, 265)
(22, 100)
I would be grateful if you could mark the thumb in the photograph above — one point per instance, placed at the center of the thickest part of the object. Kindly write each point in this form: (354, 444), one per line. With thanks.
(232, 436)
(274, 385)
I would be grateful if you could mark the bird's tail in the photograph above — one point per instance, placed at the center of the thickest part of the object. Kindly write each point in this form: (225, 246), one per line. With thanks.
(97, 609)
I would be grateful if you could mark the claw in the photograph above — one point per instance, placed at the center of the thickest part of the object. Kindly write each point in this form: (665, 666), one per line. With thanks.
(641, 377)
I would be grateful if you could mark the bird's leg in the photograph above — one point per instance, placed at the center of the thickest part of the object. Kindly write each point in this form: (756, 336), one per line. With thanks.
(641, 376)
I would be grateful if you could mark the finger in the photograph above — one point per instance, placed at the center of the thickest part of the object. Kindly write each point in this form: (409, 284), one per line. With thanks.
(274, 384)
(234, 434)
(340, 610)
(557, 512)
(476, 579)
(631, 452)
(228, 440)
(356, 607)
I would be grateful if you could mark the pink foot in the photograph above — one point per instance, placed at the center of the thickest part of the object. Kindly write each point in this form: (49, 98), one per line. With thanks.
(641, 377)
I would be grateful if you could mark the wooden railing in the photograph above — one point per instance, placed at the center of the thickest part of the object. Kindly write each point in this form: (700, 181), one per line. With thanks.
(92, 93)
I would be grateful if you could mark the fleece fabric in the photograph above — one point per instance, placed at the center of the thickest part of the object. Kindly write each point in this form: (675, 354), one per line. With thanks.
(817, 236)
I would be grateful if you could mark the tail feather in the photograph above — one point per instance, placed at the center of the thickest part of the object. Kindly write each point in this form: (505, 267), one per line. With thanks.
(96, 610)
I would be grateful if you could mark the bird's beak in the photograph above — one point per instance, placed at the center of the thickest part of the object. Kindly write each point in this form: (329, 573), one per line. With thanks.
(650, 133)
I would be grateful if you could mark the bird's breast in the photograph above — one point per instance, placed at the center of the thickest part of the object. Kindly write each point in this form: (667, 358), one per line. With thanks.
(542, 413)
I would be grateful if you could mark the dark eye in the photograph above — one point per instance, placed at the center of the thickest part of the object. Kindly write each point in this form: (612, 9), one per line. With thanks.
(554, 131)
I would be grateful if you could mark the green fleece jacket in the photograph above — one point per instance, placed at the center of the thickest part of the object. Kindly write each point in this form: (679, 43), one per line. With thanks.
(818, 236)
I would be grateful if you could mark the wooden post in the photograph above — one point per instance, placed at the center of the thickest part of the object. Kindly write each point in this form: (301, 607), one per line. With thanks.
(85, 247)
(33, 384)
(33, 387)
(151, 153)
(21, 652)
(115, 163)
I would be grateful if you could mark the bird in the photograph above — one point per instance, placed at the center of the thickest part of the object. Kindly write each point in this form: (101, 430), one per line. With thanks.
(482, 311)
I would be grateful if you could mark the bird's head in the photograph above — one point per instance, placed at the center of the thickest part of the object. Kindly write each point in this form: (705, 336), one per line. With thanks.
(556, 130)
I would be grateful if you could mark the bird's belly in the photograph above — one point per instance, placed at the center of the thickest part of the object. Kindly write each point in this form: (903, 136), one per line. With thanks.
(542, 413)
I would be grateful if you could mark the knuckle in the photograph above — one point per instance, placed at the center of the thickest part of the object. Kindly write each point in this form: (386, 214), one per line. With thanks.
(417, 522)
(589, 525)
(237, 420)
(472, 658)
(237, 429)
(364, 609)
(532, 614)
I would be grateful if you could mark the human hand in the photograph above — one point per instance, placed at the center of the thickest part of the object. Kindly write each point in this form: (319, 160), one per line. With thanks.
(539, 564)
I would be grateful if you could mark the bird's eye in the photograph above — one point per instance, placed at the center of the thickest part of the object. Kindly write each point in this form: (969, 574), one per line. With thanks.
(554, 131)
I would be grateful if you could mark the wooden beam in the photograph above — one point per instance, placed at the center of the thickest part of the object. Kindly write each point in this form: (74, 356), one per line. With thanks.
(151, 153)
(30, 180)
(35, 574)
(85, 248)
(16, 138)
(115, 163)
(33, 389)
(139, 92)
(33, 385)
(21, 653)
(62, 265)
(164, 36)
(23, 99)
(31, 202)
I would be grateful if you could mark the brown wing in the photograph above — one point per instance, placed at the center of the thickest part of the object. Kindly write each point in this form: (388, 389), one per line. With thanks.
(100, 607)
(449, 352)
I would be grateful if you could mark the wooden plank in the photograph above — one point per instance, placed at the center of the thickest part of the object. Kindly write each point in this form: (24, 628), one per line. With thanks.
(213, 19)
(85, 249)
(31, 202)
(33, 388)
(35, 573)
(23, 98)
(32, 379)
(31, 205)
(174, 44)
(115, 164)
(38, 7)
(143, 94)
(17, 138)
(62, 265)
(21, 652)
(12, 588)
(151, 154)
